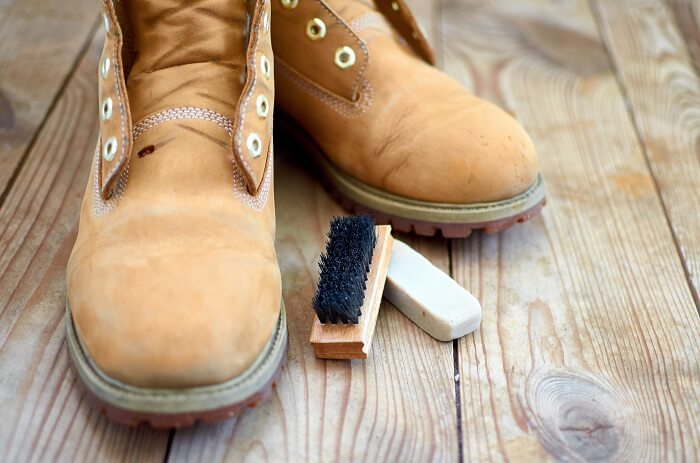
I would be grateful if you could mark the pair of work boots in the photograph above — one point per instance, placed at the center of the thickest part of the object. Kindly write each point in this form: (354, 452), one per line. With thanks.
(174, 293)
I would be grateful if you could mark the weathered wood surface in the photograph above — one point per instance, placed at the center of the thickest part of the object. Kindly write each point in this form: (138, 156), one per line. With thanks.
(44, 413)
(589, 343)
(40, 42)
(687, 16)
(658, 77)
(398, 405)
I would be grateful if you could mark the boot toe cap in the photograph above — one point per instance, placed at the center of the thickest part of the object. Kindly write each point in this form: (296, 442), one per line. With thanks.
(477, 154)
(496, 158)
(175, 320)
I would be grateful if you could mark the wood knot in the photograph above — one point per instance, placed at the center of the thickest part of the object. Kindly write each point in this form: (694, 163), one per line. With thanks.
(580, 417)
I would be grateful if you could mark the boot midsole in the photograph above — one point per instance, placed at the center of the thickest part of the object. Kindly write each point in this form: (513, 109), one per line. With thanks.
(171, 401)
(394, 205)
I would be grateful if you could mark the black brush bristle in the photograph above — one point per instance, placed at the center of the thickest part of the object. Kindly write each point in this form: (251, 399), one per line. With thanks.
(344, 267)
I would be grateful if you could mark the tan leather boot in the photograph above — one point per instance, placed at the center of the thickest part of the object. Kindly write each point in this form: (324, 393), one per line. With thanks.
(391, 133)
(174, 292)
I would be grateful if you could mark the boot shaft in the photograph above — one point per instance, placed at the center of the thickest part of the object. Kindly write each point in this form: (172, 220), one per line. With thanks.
(166, 61)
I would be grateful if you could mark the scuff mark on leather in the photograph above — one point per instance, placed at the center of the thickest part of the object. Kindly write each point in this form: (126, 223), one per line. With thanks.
(146, 150)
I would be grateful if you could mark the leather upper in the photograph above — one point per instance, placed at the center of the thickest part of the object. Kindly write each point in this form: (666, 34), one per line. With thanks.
(173, 280)
(251, 141)
(403, 126)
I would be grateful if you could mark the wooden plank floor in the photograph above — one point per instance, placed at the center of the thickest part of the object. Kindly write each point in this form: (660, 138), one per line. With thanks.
(589, 348)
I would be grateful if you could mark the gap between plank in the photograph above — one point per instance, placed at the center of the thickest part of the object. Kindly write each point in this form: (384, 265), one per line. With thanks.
(32, 141)
(436, 26)
(593, 4)
(455, 373)
(169, 445)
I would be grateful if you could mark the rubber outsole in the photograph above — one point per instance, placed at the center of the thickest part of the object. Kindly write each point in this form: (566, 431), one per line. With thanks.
(410, 215)
(96, 383)
(422, 228)
(183, 420)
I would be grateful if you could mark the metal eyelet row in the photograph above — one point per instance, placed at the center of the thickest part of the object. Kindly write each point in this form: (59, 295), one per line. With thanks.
(266, 22)
(345, 57)
(111, 145)
(104, 67)
(105, 22)
(265, 67)
(254, 143)
(262, 106)
(106, 109)
(316, 30)
(109, 149)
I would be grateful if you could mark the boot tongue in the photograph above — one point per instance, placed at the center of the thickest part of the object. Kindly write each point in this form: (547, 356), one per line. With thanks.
(188, 53)
(352, 10)
(364, 18)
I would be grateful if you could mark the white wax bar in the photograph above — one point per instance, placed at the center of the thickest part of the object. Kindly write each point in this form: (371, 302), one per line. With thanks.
(429, 297)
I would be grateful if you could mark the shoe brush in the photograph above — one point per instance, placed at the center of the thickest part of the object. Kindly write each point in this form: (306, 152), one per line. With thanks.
(360, 258)
(353, 272)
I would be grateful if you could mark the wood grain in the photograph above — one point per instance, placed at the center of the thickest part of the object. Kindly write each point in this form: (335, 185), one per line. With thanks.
(589, 342)
(687, 17)
(40, 42)
(45, 416)
(398, 405)
(589, 347)
(663, 88)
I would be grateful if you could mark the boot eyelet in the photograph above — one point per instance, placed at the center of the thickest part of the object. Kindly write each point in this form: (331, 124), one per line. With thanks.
(262, 106)
(106, 110)
(254, 145)
(105, 22)
(289, 4)
(345, 57)
(265, 66)
(104, 67)
(316, 29)
(395, 6)
(266, 22)
(109, 149)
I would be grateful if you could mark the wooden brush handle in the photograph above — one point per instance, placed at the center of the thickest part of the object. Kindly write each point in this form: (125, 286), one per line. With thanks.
(339, 341)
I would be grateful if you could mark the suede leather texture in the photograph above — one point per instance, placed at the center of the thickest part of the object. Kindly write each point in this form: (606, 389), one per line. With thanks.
(174, 282)
(412, 130)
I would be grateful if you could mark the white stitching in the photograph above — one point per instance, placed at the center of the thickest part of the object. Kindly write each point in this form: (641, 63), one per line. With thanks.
(257, 203)
(181, 113)
(102, 206)
(357, 38)
(368, 20)
(339, 105)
